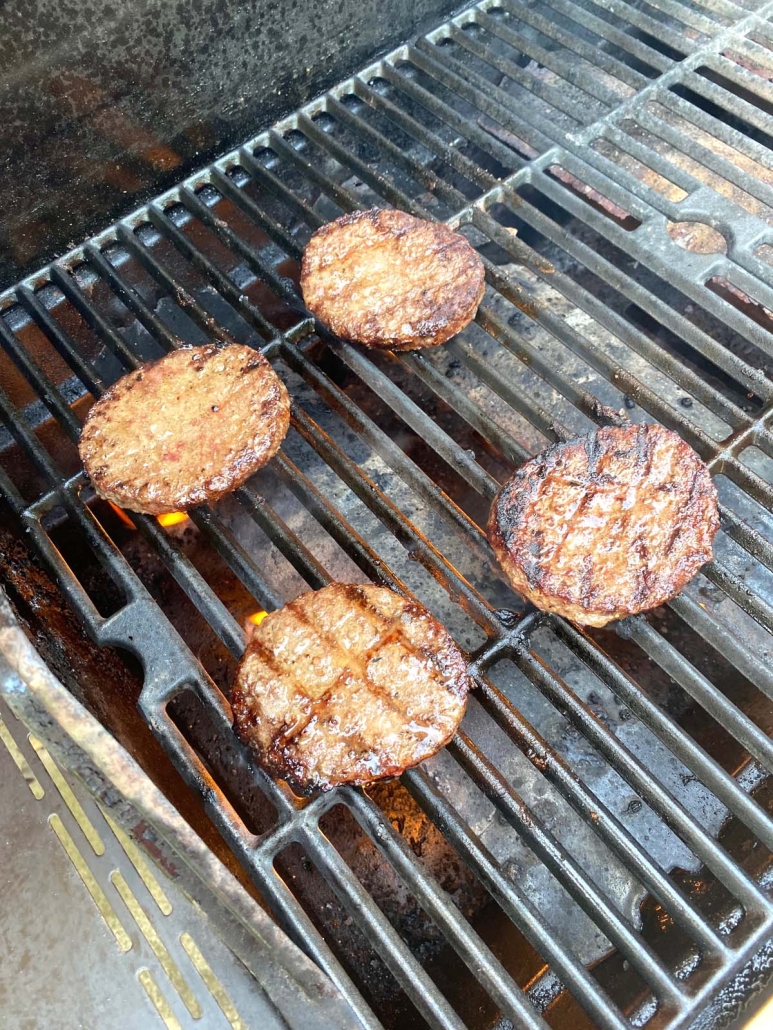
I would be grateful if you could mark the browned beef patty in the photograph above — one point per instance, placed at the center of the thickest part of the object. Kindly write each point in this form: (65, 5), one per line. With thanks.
(387, 279)
(186, 429)
(348, 684)
(608, 525)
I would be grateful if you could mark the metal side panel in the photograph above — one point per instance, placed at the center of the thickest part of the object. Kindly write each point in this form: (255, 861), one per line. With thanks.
(93, 934)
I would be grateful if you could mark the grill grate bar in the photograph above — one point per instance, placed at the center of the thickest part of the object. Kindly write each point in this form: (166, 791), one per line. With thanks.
(236, 558)
(746, 536)
(490, 98)
(514, 903)
(161, 221)
(569, 41)
(684, 14)
(283, 538)
(408, 972)
(464, 940)
(519, 345)
(303, 932)
(727, 463)
(344, 534)
(597, 815)
(190, 580)
(418, 420)
(733, 586)
(547, 59)
(725, 642)
(378, 182)
(624, 40)
(227, 188)
(560, 863)
(61, 341)
(651, 159)
(713, 126)
(694, 757)
(233, 241)
(443, 112)
(660, 265)
(708, 696)
(550, 95)
(449, 194)
(66, 282)
(131, 299)
(750, 378)
(709, 159)
(40, 382)
(517, 398)
(652, 27)
(726, 8)
(739, 76)
(34, 450)
(730, 102)
(649, 789)
(401, 527)
(343, 197)
(429, 140)
(11, 495)
(274, 184)
(607, 317)
(748, 46)
(479, 92)
(455, 397)
(435, 499)
(187, 302)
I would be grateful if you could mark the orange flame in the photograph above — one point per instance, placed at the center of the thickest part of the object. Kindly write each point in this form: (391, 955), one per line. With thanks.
(122, 515)
(171, 518)
(257, 617)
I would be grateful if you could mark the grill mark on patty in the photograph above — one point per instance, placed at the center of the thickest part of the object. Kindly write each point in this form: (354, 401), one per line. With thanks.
(394, 634)
(285, 736)
(654, 515)
(596, 457)
(685, 507)
(386, 279)
(645, 451)
(359, 753)
(643, 574)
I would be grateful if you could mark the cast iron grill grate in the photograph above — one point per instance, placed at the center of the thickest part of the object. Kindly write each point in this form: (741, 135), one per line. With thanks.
(630, 146)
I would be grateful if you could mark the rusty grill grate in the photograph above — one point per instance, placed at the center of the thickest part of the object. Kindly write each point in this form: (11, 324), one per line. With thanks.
(629, 146)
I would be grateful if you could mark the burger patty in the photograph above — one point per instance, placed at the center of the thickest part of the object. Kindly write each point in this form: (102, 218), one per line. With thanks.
(186, 429)
(348, 684)
(608, 525)
(387, 279)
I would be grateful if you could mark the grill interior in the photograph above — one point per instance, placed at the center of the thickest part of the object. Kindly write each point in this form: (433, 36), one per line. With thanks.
(594, 847)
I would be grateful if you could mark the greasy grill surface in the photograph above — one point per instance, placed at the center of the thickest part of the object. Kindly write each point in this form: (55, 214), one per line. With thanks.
(612, 137)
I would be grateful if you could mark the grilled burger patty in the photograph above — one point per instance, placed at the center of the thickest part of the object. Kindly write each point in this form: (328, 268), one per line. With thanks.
(611, 524)
(186, 429)
(387, 279)
(348, 684)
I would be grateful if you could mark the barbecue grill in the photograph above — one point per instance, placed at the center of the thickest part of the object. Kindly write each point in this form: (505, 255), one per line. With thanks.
(593, 849)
